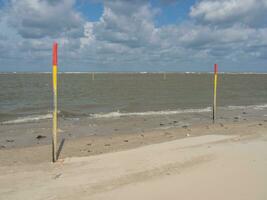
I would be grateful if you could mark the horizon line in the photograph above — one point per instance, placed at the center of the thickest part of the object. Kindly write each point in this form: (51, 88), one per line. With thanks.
(131, 72)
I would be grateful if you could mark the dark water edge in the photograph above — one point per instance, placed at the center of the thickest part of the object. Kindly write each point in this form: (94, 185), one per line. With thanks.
(28, 97)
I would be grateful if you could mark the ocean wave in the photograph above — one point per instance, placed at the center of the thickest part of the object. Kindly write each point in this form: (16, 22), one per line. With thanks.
(148, 113)
(117, 114)
(31, 118)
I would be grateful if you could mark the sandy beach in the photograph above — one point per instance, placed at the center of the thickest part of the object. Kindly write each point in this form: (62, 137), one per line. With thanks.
(222, 161)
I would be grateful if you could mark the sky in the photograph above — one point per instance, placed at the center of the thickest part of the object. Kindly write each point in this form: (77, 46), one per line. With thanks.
(134, 35)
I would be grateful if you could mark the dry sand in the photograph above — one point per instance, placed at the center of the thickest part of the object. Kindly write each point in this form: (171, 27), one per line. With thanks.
(210, 162)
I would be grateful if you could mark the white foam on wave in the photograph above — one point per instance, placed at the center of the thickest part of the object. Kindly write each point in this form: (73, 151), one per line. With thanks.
(255, 107)
(236, 107)
(167, 112)
(260, 107)
(31, 118)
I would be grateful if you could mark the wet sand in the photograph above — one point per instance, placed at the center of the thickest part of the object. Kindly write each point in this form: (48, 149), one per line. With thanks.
(100, 144)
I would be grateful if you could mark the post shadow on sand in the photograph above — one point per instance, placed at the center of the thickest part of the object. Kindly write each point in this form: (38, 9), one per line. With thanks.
(60, 147)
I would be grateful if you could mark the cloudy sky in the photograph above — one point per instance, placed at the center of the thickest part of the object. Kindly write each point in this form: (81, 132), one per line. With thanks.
(134, 35)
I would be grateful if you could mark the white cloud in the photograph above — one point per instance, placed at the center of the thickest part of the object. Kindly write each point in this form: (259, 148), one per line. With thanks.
(44, 18)
(249, 12)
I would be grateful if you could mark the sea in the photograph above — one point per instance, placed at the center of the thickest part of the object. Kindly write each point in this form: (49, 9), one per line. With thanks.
(28, 97)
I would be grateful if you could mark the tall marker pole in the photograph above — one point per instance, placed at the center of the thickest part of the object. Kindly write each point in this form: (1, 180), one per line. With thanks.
(93, 76)
(54, 138)
(215, 92)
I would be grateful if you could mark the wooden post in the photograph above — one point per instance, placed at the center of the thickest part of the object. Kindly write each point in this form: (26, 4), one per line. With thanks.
(164, 76)
(54, 137)
(93, 76)
(215, 92)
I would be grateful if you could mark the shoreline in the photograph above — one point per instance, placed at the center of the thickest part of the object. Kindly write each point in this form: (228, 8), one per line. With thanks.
(29, 134)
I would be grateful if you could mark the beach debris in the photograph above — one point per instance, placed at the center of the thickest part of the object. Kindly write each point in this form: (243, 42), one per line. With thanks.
(188, 135)
(89, 144)
(221, 124)
(106, 145)
(89, 151)
(175, 121)
(9, 140)
(244, 113)
(161, 124)
(142, 135)
(40, 137)
(236, 117)
(126, 140)
(57, 176)
(184, 126)
(2, 147)
(116, 129)
(260, 124)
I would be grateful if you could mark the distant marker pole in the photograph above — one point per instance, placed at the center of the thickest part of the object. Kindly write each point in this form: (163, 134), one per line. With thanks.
(54, 138)
(93, 76)
(215, 92)
(164, 76)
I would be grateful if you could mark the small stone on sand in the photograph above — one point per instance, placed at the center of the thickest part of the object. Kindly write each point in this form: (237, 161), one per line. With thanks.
(9, 140)
(40, 137)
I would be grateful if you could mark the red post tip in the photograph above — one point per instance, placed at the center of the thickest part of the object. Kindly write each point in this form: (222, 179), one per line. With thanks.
(55, 53)
(215, 68)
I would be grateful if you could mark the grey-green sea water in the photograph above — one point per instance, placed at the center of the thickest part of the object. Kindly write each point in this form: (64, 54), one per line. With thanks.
(81, 94)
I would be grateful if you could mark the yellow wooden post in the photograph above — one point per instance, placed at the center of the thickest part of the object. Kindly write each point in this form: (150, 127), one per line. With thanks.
(54, 137)
(215, 92)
